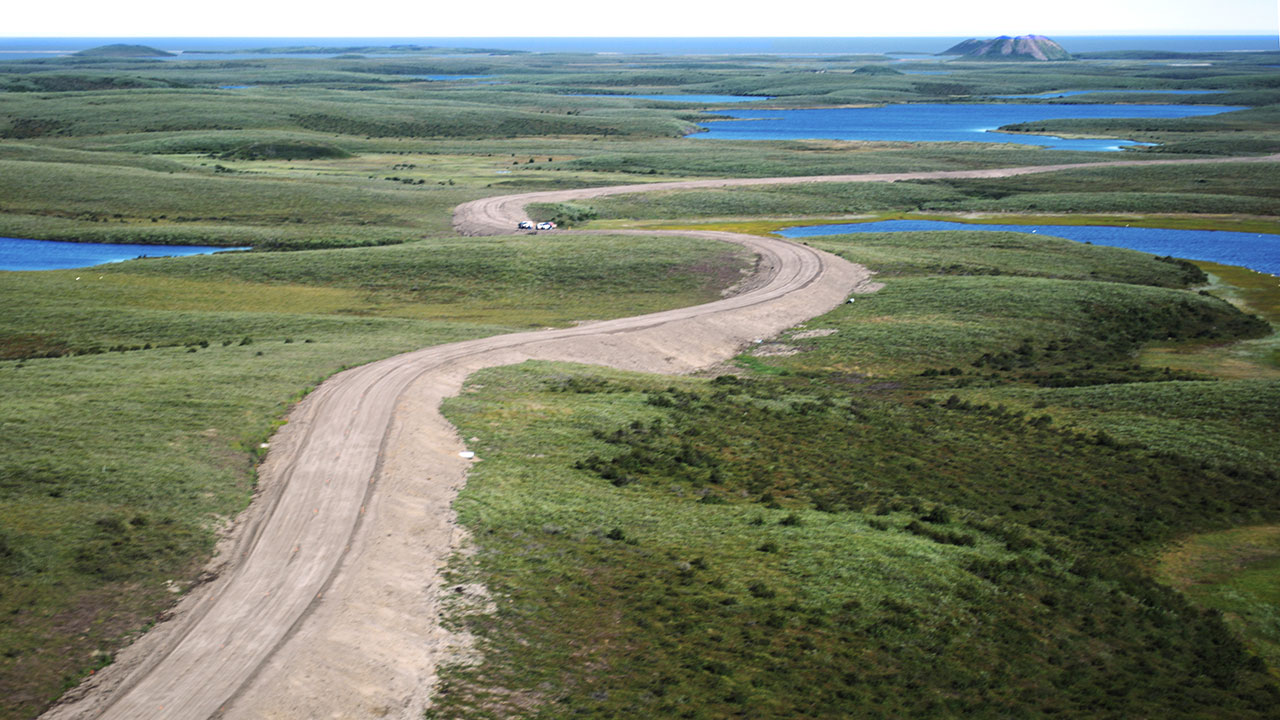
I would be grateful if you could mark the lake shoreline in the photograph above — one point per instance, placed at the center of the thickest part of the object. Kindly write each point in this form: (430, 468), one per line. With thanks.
(16, 254)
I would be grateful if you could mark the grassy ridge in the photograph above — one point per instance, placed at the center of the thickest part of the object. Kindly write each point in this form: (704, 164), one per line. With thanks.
(1041, 309)
(331, 111)
(1241, 132)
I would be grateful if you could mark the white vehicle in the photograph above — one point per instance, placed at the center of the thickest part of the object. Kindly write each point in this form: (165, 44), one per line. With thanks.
(525, 225)
(546, 226)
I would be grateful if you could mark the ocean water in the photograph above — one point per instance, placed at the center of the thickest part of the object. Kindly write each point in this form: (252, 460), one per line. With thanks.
(19, 254)
(1257, 251)
(20, 48)
(967, 122)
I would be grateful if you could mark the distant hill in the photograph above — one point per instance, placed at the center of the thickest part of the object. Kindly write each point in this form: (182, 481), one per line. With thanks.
(120, 50)
(1023, 47)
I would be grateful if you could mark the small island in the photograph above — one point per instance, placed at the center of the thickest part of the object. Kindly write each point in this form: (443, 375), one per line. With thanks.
(1005, 48)
(122, 50)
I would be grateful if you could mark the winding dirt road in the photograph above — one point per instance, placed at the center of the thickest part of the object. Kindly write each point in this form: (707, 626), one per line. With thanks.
(326, 597)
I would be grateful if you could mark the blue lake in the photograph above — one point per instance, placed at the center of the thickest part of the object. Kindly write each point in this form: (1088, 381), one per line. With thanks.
(16, 254)
(1072, 93)
(961, 122)
(705, 99)
(1258, 251)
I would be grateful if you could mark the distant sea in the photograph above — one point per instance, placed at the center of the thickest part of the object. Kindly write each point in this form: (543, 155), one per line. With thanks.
(21, 48)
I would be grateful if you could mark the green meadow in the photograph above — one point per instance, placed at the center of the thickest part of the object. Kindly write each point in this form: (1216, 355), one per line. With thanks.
(1026, 478)
(137, 397)
(939, 500)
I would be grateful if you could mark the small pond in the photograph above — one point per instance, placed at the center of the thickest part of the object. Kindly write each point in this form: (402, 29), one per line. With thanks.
(1257, 251)
(18, 254)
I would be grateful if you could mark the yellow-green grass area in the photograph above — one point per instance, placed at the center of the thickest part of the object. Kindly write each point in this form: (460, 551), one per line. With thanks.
(637, 570)
(1236, 572)
(515, 281)
(137, 395)
(522, 167)
(1253, 292)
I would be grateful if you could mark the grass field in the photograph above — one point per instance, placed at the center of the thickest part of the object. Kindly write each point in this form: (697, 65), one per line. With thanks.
(909, 488)
(947, 500)
(1234, 572)
(719, 533)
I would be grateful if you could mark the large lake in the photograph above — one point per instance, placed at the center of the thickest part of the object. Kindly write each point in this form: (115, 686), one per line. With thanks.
(1258, 251)
(962, 122)
(17, 254)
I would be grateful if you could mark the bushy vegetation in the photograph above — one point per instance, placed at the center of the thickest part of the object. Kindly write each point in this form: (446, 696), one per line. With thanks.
(910, 498)
(717, 548)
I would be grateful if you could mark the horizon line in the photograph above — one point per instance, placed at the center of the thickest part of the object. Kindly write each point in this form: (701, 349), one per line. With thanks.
(1108, 33)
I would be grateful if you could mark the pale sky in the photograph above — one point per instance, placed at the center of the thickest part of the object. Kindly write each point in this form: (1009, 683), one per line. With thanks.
(649, 18)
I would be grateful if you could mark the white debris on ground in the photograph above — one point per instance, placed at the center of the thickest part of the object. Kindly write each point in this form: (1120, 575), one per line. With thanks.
(806, 334)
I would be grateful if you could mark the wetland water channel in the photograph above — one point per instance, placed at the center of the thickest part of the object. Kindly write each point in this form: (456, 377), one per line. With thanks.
(1256, 251)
